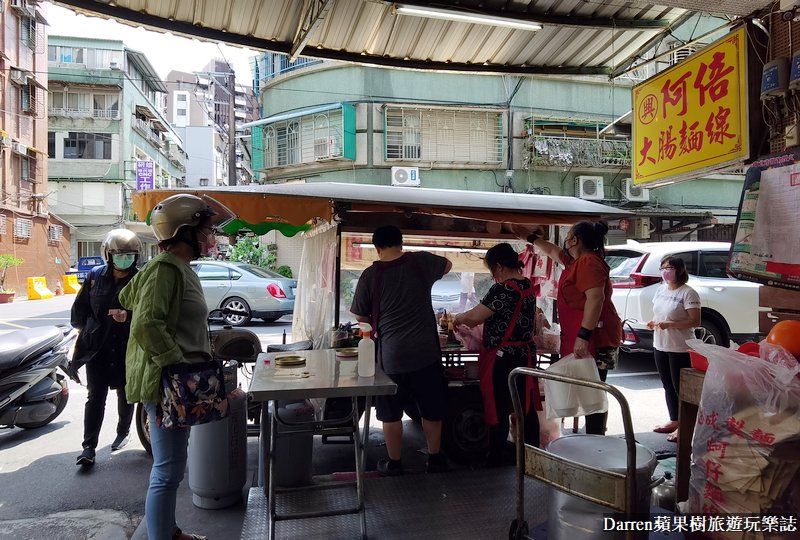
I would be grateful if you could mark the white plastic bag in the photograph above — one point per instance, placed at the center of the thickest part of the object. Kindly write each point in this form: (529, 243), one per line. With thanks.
(565, 400)
(747, 434)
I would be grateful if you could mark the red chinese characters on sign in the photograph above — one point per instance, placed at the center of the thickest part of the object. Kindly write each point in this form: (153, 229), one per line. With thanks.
(717, 446)
(645, 149)
(717, 127)
(675, 93)
(717, 85)
(648, 109)
(691, 139)
(666, 145)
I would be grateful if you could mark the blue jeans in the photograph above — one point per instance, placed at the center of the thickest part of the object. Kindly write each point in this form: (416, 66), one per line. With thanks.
(170, 447)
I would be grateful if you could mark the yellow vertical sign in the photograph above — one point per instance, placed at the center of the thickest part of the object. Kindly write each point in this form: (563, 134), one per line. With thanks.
(693, 115)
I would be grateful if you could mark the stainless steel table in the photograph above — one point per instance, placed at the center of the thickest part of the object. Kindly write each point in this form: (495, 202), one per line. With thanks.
(324, 375)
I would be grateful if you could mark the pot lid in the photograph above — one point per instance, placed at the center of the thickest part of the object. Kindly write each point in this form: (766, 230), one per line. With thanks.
(607, 453)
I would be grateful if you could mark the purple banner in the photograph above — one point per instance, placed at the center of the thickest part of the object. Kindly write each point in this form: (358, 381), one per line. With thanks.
(144, 175)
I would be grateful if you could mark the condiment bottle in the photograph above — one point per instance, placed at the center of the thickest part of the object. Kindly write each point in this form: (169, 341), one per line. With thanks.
(451, 334)
(366, 353)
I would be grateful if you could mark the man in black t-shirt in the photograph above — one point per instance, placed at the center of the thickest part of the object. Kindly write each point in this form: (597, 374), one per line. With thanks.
(394, 297)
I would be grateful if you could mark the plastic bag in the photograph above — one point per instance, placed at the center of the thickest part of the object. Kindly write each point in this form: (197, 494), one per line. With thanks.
(470, 338)
(747, 435)
(564, 399)
(549, 428)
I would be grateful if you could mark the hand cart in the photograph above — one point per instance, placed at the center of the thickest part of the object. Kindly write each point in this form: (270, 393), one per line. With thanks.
(610, 489)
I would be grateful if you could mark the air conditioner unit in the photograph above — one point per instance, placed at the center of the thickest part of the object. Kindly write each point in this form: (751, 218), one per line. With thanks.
(19, 148)
(19, 76)
(640, 228)
(680, 55)
(325, 148)
(589, 188)
(405, 176)
(114, 64)
(6, 142)
(634, 192)
(18, 4)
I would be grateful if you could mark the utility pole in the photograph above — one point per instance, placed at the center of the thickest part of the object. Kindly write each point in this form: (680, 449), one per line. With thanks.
(232, 180)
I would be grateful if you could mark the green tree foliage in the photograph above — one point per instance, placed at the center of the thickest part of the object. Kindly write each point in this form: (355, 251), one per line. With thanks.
(7, 261)
(248, 250)
(285, 271)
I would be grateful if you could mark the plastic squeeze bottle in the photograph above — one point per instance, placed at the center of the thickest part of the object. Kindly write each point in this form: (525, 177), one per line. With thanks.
(366, 353)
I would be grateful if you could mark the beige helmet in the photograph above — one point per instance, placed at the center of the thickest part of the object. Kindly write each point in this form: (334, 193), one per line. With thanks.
(186, 210)
(120, 241)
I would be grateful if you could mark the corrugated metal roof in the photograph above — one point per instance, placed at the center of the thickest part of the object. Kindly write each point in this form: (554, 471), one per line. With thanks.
(428, 197)
(294, 114)
(578, 36)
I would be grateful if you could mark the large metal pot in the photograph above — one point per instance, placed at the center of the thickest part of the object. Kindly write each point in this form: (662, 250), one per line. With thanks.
(573, 518)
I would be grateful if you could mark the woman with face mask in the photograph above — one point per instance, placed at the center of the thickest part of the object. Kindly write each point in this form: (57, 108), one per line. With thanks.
(676, 307)
(104, 328)
(589, 322)
(508, 312)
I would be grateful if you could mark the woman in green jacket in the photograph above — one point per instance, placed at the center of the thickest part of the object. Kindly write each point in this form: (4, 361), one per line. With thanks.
(168, 326)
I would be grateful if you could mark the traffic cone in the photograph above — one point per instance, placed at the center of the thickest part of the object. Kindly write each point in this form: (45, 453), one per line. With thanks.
(59, 288)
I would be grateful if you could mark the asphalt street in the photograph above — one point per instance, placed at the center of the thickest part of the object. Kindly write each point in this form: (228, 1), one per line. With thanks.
(44, 495)
(42, 492)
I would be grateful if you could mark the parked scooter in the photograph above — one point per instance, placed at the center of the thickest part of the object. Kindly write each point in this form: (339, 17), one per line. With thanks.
(32, 393)
(233, 346)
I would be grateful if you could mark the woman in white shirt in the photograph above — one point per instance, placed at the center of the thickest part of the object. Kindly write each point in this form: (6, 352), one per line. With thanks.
(676, 307)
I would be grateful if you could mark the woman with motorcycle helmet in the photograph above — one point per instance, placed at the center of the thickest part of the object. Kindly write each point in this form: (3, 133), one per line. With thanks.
(101, 346)
(168, 327)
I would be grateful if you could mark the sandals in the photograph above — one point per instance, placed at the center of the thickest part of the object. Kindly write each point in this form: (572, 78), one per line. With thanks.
(177, 533)
(666, 428)
(673, 437)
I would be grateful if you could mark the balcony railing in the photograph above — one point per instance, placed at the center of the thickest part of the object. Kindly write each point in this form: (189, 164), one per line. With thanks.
(143, 127)
(70, 113)
(545, 151)
(177, 157)
(108, 114)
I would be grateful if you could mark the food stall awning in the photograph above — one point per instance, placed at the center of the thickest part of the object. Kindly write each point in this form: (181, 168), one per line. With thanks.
(564, 37)
(267, 207)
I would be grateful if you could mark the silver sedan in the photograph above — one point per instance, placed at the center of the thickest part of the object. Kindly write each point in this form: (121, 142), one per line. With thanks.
(255, 291)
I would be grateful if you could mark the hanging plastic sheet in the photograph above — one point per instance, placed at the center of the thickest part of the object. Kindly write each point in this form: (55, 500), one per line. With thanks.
(316, 286)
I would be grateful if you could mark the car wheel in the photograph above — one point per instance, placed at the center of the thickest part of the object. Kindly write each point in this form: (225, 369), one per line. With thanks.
(236, 304)
(710, 333)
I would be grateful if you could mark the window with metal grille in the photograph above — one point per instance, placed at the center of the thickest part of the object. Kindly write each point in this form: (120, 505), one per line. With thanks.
(441, 135)
(54, 233)
(27, 32)
(204, 181)
(304, 139)
(3, 229)
(25, 168)
(23, 228)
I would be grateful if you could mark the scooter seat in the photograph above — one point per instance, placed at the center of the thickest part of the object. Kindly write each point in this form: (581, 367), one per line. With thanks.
(19, 346)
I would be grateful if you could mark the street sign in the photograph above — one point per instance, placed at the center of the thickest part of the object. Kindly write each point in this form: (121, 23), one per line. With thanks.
(144, 175)
(692, 116)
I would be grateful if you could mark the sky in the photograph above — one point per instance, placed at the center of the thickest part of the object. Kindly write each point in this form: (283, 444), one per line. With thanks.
(185, 54)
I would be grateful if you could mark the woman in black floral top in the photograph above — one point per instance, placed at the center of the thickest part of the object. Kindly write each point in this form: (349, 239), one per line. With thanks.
(507, 311)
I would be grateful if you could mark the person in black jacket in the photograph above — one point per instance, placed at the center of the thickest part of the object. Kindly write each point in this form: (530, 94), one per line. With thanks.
(104, 328)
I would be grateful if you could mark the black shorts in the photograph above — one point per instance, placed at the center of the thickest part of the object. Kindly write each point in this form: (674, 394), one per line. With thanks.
(424, 389)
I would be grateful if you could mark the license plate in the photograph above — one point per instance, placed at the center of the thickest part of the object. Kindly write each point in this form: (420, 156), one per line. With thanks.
(294, 291)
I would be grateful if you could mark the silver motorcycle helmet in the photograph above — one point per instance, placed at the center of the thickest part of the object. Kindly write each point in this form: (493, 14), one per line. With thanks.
(120, 242)
(185, 210)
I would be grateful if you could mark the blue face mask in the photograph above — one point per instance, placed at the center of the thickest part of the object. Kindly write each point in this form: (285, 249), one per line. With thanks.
(123, 261)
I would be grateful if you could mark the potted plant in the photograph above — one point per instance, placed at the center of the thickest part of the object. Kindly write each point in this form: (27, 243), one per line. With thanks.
(6, 261)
